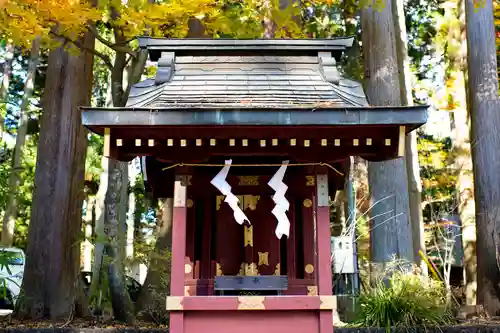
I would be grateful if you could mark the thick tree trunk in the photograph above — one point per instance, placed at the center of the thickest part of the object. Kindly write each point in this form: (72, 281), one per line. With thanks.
(485, 122)
(9, 218)
(52, 276)
(411, 152)
(151, 302)
(390, 226)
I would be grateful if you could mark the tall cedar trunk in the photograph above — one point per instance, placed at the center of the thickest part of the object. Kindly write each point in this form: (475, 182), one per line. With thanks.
(9, 218)
(390, 226)
(411, 152)
(52, 277)
(4, 88)
(151, 301)
(485, 122)
(460, 132)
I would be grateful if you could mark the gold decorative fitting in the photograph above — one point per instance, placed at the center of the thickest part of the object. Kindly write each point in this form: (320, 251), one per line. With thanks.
(174, 303)
(218, 270)
(275, 142)
(262, 143)
(242, 269)
(137, 142)
(218, 201)
(387, 142)
(309, 269)
(151, 143)
(336, 142)
(198, 142)
(248, 180)
(328, 302)
(244, 142)
(186, 290)
(232, 142)
(307, 143)
(312, 290)
(251, 303)
(189, 203)
(401, 141)
(355, 142)
(186, 180)
(170, 142)
(188, 268)
(119, 142)
(308, 203)
(263, 258)
(250, 201)
(277, 271)
(213, 142)
(293, 142)
(324, 142)
(248, 236)
(183, 143)
(310, 181)
(251, 269)
(368, 141)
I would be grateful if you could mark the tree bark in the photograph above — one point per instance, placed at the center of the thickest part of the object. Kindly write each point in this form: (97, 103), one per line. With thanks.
(390, 227)
(485, 122)
(411, 152)
(52, 276)
(4, 88)
(151, 301)
(9, 218)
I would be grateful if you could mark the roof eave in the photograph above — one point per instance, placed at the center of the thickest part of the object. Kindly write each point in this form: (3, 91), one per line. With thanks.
(412, 117)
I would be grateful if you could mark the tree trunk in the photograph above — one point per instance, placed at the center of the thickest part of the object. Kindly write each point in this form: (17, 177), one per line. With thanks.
(52, 276)
(151, 301)
(485, 122)
(390, 226)
(460, 132)
(411, 152)
(4, 88)
(120, 300)
(9, 218)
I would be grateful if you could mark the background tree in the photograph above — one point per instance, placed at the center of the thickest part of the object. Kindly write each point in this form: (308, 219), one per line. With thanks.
(484, 106)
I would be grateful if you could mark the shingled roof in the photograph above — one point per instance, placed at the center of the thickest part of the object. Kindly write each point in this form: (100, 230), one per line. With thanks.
(273, 82)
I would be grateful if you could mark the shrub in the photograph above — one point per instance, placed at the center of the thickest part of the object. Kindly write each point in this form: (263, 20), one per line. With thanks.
(404, 300)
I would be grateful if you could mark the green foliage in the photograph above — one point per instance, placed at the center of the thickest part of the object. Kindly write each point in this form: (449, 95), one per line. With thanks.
(404, 300)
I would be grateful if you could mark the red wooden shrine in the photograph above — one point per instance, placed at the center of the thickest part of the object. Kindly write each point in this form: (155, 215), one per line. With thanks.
(257, 103)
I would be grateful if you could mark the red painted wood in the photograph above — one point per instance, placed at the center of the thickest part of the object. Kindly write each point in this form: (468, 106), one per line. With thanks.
(324, 251)
(178, 251)
(252, 321)
(205, 260)
(229, 240)
(190, 239)
(176, 322)
(230, 303)
(325, 322)
(308, 231)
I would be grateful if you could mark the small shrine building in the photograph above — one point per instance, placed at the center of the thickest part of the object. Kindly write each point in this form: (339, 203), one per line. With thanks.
(250, 138)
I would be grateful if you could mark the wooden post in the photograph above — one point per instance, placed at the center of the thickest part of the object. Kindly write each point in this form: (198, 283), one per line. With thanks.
(323, 264)
(178, 250)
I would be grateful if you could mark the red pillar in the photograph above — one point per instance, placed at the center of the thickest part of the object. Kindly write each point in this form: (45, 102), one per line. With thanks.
(178, 250)
(324, 270)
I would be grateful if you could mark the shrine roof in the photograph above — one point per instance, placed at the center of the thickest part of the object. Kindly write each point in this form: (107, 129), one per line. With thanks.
(273, 82)
(249, 82)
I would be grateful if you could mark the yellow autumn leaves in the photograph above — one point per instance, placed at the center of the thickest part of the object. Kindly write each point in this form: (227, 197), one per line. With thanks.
(21, 21)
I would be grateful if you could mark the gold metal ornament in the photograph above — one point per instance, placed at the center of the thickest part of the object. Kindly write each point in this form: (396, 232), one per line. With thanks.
(248, 180)
(248, 235)
(309, 269)
(312, 290)
(307, 203)
(189, 203)
(263, 258)
(310, 181)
